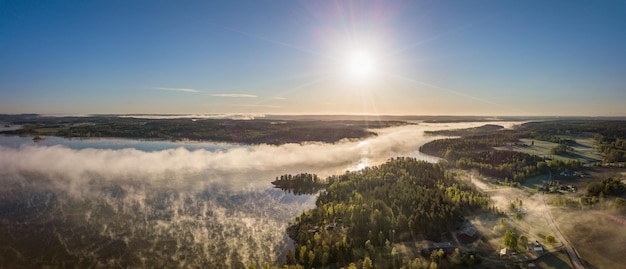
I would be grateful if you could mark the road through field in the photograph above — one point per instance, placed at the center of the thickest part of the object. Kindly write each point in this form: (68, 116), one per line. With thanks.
(573, 256)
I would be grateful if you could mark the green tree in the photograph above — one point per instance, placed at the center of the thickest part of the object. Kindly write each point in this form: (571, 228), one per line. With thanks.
(367, 263)
(523, 240)
(510, 240)
(550, 239)
(561, 149)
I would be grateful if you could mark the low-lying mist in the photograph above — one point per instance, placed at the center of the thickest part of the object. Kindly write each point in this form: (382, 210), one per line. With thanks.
(173, 207)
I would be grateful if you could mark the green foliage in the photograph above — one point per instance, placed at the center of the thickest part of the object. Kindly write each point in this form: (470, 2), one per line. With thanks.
(522, 241)
(559, 165)
(487, 128)
(303, 183)
(562, 149)
(453, 149)
(400, 200)
(610, 186)
(510, 240)
(476, 152)
(503, 164)
(367, 263)
(550, 239)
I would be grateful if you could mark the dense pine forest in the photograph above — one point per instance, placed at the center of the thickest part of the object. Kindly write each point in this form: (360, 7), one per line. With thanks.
(299, 184)
(362, 215)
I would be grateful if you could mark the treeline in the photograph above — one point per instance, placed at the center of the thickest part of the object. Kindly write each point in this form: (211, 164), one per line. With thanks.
(360, 217)
(547, 129)
(476, 150)
(562, 149)
(453, 149)
(299, 184)
(614, 150)
(511, 165)
(611, 186)
(467, 131)
(221, 130)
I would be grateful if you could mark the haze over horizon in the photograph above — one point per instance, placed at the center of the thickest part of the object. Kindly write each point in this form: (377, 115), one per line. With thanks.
(531, 58)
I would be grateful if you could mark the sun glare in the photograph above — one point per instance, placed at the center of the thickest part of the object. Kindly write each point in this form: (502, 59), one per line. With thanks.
(361, 65)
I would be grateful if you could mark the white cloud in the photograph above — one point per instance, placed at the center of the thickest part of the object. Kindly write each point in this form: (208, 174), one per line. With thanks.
(234, 95)
(179, 90)
(265, 106)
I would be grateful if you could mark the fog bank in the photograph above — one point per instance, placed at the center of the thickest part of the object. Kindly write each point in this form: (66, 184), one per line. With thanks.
(211, 208)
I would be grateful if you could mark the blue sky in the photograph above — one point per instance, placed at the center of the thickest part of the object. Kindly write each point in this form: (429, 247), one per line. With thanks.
(290, 57)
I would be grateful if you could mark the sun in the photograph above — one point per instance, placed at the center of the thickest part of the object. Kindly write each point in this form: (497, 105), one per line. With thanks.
(361, 65)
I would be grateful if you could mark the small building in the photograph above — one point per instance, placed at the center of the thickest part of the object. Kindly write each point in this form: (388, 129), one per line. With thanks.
(536, 247)
(505, 252)
(447, 248)
(468, 234)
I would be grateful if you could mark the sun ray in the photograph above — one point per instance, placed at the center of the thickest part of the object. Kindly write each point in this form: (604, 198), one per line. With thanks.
(284, 44)
(433, 38)
(448, 90)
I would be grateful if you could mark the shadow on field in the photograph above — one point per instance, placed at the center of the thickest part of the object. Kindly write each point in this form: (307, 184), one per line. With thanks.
(558, 259)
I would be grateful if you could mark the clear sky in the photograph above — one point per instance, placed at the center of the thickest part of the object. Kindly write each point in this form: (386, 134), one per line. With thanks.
(314, 57)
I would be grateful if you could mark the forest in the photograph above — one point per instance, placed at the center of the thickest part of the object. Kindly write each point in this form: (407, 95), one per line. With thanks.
(362, 215)
(257, 131)
(467, 131)
(476, 152)
(610, 136)
(475, 148)
(300, 184)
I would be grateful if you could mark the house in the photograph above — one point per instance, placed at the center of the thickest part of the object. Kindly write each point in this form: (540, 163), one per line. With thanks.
(467, 234)
(504, 252)
(536, 247)
(447, 248)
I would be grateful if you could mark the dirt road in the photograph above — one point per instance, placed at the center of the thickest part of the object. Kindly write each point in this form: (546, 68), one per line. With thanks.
(566, 244)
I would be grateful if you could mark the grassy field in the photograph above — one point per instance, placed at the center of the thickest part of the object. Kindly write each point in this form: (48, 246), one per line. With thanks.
(595, 231)
(584, 149)
(595, 234)
(556, 260)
